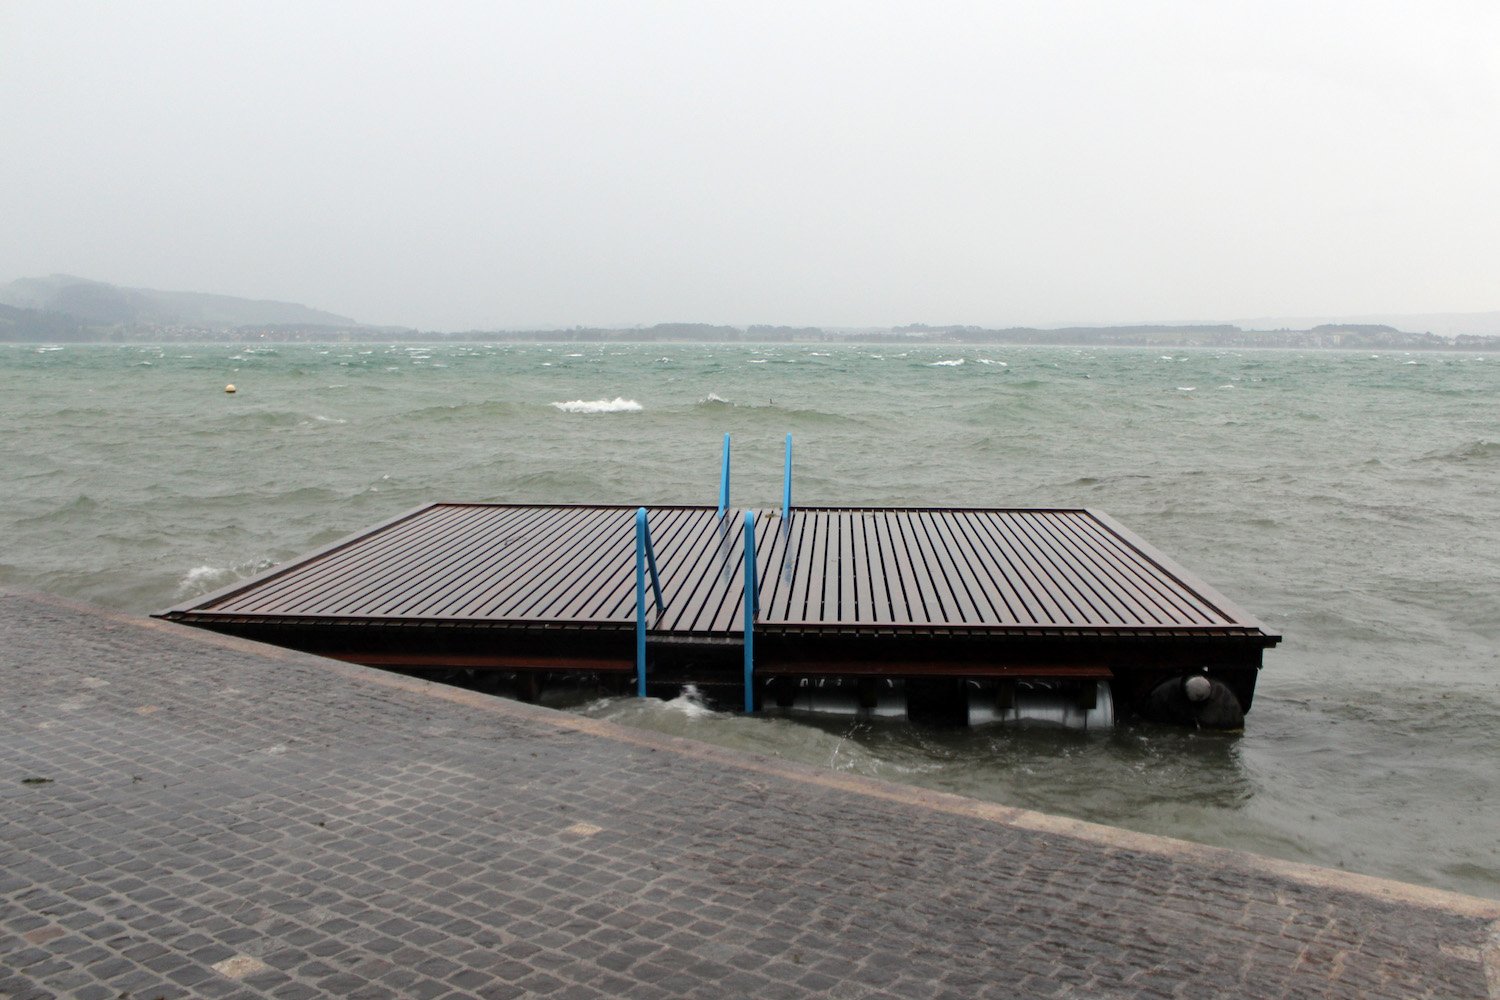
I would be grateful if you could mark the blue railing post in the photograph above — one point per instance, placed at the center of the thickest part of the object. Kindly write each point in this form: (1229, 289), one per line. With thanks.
(752, 605)
(724, 480)
(786, 483)
(645, 555)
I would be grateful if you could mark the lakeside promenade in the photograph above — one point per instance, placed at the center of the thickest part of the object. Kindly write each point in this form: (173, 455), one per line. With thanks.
(189, 815)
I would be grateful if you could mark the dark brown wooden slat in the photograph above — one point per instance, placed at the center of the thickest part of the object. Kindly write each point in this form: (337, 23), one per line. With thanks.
(694, 605)
(989, 608)
(572, 591)
(878, 598)
(1054, 610)
(340, 588)
(670, 531)
(800, 570)
(560, 590)
(549, 564)
(958, 576)
(1004, 601)
(892, 573)
(1105, 605)
(1061, 603)
(442, 585)
(929, 588)
(485, 572)
(300, 585)
(1061, 580)
(1116, 575)
(729, 616)
(776, 596)
(848, 601)
(396, 584)
(513, 549)
(1177, 600)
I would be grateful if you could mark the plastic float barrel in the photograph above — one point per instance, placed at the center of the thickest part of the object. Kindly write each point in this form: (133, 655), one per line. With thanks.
(844, 699)
(1044, 703)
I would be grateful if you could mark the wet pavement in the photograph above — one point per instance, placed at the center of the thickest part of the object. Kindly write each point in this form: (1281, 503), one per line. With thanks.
(188, 815)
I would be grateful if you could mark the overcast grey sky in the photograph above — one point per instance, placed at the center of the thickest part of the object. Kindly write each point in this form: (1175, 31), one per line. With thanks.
(459, 165)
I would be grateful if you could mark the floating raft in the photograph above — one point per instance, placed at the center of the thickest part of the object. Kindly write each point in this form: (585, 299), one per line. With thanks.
(951, 608)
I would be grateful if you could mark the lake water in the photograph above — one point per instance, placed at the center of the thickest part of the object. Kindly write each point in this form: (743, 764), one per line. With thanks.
(1349, 500)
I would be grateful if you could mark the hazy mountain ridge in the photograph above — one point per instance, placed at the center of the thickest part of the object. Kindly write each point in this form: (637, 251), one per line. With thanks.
(66, 308)
(98, 303)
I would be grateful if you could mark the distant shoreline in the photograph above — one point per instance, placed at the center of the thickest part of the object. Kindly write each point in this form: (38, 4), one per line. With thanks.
(1104, 337)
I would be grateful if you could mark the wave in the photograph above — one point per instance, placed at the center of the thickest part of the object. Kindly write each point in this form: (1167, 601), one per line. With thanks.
(951, 363)
(1473, 451)
(616, 405)
(714, 399)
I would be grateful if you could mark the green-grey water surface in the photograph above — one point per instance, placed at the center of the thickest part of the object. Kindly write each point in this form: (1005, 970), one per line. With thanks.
(1346, 499)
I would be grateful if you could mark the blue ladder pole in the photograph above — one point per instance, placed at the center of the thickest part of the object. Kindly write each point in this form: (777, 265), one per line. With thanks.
(644, 526)
(724, 480)
(786, 484)
(752, 605)
(640, 601)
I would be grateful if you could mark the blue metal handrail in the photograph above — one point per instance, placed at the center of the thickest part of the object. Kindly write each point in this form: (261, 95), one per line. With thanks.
(752, 606)
(724, 480)
(645, 556)
(786, 483)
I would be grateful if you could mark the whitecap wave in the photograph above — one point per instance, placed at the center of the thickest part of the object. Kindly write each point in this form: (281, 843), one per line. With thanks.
(690, 702)
(714, 399)
(950, 363)
(616, 405)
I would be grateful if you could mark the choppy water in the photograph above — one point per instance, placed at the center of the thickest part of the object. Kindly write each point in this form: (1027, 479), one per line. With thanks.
(1348, 500)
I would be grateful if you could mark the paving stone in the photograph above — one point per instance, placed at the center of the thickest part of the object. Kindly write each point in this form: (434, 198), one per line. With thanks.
(353, 833)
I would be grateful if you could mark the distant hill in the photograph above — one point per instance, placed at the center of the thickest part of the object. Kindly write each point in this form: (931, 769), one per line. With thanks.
(31, 324)
(97, 303)
(1483, 324)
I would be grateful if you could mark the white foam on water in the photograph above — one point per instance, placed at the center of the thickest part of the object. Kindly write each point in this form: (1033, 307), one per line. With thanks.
(989, 361)
(572, 355)
(616, 405)
(756, 361)
(1187, 388)
(714, 397)
(951, 363)
(689, 702)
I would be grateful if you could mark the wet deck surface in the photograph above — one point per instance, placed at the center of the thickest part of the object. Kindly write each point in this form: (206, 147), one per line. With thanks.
(208, 817)
(863, 569)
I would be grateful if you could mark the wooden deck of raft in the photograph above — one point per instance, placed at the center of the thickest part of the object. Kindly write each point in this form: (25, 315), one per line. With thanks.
(824, 570)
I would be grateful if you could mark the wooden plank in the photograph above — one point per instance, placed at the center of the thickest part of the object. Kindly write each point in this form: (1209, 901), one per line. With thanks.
(317, 576)
(1060, 604)
(957, 574)
(337, 586)
(451, 572)
(1176, 600)
(1106, 605)
(549, 563)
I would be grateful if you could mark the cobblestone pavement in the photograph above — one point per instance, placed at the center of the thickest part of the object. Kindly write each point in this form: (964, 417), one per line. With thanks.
(185, 815)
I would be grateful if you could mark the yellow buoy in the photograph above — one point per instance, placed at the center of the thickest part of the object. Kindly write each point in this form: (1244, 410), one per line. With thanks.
(229, 387)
